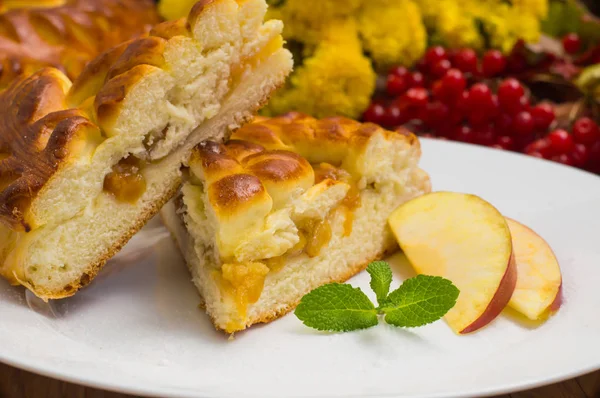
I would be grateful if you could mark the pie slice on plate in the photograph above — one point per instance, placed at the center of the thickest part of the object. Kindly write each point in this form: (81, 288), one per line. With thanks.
(287, 205)
(84, 164)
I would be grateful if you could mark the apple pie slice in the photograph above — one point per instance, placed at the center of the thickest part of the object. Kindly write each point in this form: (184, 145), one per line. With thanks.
(84, 164)
(287, 205)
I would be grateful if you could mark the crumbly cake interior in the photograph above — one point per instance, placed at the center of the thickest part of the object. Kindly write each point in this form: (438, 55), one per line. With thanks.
(103, 153)
(286, 205)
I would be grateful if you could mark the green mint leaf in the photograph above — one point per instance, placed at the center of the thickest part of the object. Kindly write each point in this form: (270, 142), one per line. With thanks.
(337, 307)
(420, 300)
(381, 279)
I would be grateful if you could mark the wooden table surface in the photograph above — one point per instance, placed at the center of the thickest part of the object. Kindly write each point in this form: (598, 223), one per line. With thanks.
(15, 383)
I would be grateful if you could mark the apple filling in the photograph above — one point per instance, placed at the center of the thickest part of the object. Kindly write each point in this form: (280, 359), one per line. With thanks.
(126, 182)
(245, 255)
(244, 282)
(352, 199)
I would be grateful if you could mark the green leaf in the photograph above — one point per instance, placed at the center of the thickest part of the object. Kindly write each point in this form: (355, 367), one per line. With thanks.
(420, 300)
(381, 279)
(571, 16)
(337, 307)
(563, 17)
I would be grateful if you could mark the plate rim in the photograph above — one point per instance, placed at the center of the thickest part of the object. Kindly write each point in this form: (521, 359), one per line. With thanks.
(120, 385)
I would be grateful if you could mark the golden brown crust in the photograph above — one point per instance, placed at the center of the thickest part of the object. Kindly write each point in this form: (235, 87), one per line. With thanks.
(239, 150)
(93, 77)
(143, 51)
(66, 34)
(239, 175)
(35, 140)
(198, 9)
(169, 29)
(318, 140)
(234, 191)
(107, 102)
(277, 166)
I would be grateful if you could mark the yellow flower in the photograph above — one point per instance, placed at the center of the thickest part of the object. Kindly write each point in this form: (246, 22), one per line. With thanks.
(392, 31)
(307, 20)
(505, 25)
(537, 8)
(336, 80)
(323, 10)
(468, 23)
(451, 22)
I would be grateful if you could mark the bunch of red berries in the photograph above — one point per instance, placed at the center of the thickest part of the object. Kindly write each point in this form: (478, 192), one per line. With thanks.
(579, 148)
(457, 96)
(447, 97)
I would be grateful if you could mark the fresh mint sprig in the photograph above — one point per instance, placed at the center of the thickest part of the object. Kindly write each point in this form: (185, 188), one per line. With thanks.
(339, 307)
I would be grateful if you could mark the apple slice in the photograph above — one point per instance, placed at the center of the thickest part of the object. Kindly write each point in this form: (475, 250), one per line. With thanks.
(539, 282)
(465, 239)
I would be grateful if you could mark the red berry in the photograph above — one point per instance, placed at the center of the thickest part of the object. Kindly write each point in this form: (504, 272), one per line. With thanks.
(415, 79)
(466, 60)
(427, 135)
(516, 63)
(523, 123)
(434, 55)
(497, 146)
(579, 155)
(522, 141)
(462, 105)
(504, 124)
(480, 96)
(541, 146)
(455, 118)
(543, 116)
(453, 83)
(440, 68)
(417, 96)
(493, 63)
(393, 116)
(414, 101)
(437, 91)
(561, 141)
(399, 71)
(484, 136)
(374, 114)
(510, 93)
(436, 114)
(493, 108)
(524, 104)
(422, 66)
(464, 134)
(594, 157)
(563, 158)
(571, 43)
(505, 142)
(586, 131)
(479, 119)
(396, 85)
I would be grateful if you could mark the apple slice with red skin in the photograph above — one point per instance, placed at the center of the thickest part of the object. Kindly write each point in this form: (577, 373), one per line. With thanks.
(539, 283)
(465, 239)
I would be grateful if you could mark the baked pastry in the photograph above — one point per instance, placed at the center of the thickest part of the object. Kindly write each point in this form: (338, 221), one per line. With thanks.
(65, 34)
(84, 165)
(287, 205)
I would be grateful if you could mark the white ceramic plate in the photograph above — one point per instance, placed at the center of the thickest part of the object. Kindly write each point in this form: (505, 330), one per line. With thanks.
(137, 328)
